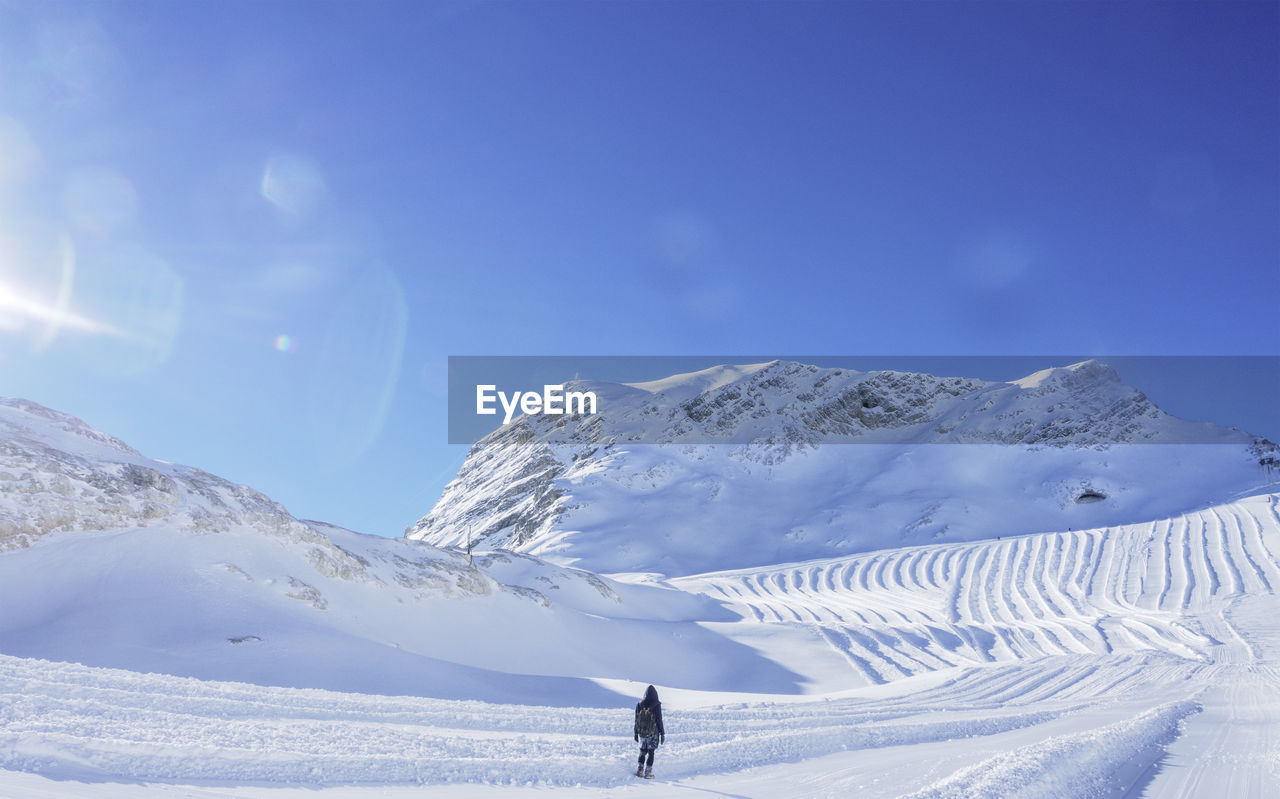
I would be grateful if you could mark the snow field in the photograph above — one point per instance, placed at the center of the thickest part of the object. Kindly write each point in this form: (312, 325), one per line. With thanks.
(78, 722)
(1136, 660)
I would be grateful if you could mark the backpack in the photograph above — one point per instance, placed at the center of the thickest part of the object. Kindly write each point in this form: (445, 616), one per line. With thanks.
(646, 721)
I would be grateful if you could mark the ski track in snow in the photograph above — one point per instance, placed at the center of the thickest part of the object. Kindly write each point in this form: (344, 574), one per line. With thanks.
(1134, 660)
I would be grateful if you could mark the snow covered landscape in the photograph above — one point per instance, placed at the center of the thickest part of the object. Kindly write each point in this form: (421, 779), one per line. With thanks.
(842, 583)
(394, 394)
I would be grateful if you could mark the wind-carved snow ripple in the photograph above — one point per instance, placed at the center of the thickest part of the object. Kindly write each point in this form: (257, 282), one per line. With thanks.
(897, 613)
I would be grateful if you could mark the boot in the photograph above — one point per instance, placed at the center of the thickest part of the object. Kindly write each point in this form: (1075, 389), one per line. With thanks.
(648, 773)
(639, 771)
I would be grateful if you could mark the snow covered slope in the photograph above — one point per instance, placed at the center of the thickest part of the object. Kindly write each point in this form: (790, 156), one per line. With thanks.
(746, 470)
(117, 560)
(1160, 587)
(1141, 660)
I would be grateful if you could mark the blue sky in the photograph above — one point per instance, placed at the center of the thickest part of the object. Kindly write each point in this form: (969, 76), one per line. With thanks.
(247, 236)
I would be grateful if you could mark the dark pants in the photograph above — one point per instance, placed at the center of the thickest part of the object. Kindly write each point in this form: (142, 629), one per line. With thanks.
(646, 753)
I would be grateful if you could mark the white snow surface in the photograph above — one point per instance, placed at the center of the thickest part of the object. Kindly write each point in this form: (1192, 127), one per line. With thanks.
(165, 633)
(116, 560)
(1135, 661)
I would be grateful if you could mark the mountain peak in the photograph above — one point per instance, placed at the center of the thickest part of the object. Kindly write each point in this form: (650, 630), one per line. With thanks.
(1089, 371)
(798, 404)
(63, 475)
(690, 384)
(21, 417)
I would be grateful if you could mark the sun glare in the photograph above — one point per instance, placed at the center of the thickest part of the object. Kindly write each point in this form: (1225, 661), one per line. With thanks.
(16, 310)
(21, 307)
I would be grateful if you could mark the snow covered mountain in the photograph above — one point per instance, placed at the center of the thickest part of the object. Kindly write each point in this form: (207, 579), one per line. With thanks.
(108, 558)
(1100, 661)
(639, 486)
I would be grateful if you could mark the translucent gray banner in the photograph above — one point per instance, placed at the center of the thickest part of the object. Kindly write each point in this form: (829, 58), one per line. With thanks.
(810, 400)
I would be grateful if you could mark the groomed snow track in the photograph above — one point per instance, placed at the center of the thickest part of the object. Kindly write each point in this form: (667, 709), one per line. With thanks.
(897, 613)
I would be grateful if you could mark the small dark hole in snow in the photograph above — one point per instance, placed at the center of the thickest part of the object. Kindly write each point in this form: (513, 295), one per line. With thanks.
(1090, 496)
(243, 638)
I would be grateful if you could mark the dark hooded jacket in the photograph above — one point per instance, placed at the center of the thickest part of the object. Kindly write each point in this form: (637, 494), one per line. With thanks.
(651, 702)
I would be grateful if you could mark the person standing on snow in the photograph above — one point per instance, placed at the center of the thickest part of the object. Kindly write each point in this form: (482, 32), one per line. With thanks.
(649, 731)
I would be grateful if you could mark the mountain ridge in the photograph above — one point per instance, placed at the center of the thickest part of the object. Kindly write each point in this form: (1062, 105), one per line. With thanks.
(546, 484)
(108, 558)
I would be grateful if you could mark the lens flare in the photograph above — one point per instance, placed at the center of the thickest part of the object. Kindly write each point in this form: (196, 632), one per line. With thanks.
(294, 185)
(22, 309)
(141, 294)
(284, 343)
(66, 285)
